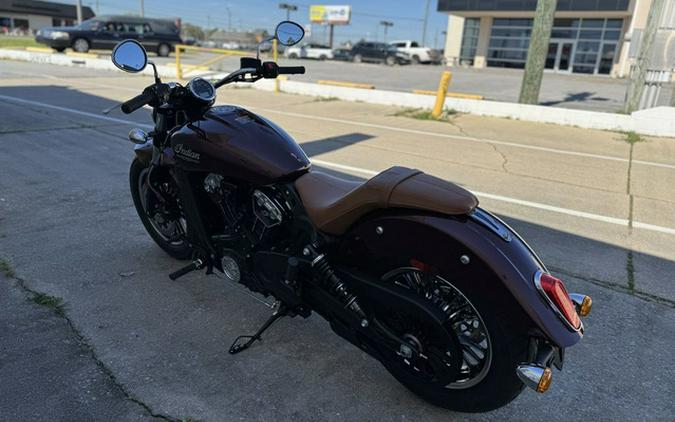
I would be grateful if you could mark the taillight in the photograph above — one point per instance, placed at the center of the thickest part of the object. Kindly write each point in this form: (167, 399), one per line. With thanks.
(556, 293)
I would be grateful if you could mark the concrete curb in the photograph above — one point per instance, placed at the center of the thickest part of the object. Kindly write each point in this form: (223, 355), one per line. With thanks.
(658, 121)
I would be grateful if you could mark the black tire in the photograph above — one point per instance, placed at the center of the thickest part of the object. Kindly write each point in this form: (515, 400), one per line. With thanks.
(415, 59)
(293, 56)
(164, 50)
(81, 45)
(323, 57)
(178, 250)
(509, 347)
(357, 58)
(59, 49)
(390, 61)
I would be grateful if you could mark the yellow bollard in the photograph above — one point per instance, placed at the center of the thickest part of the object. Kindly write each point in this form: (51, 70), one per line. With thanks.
(276, 58)
(179, 69)
(441, 94)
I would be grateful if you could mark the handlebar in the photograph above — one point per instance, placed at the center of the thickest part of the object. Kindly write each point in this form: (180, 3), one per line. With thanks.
(290, 70)
(138, 101)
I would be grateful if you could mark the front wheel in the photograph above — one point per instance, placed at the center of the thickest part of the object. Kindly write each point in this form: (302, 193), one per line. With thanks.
(473, 369)
(163, 219)
(164, 50)
(390, 61)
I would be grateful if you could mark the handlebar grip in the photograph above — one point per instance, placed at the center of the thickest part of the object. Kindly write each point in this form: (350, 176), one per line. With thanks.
(289, 70)
(137, 102)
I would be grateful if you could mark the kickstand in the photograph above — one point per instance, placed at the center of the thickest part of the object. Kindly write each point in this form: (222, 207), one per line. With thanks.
(276, 315)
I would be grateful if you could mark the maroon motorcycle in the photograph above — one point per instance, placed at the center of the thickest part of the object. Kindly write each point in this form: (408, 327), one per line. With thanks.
(405, 266)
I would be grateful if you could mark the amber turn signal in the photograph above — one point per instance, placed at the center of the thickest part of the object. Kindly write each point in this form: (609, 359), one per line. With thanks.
(545, 381)
(583, 303)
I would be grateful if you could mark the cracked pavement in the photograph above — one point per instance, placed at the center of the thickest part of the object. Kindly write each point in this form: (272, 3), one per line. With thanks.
(68, 226)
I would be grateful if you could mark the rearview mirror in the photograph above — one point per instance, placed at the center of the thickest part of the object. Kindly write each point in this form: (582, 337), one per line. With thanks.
(289, 33)
(130, 56)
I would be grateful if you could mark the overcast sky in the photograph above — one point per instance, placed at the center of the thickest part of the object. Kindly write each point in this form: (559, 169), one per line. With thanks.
(407, 15)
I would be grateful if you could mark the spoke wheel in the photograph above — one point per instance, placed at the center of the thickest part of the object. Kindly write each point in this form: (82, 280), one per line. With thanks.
(459, 364)
(163, 220)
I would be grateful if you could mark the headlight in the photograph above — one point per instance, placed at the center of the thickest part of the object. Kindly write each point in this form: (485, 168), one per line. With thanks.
(59, 35)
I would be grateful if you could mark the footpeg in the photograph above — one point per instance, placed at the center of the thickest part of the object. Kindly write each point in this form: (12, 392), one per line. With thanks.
(193, 266)
(242, 343)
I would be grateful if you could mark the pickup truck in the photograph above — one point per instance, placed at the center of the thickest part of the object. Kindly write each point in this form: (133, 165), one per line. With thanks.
(416, 53)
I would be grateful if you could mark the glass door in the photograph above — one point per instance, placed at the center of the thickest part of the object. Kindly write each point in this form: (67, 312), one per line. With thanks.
(552, 55)
(565, 54)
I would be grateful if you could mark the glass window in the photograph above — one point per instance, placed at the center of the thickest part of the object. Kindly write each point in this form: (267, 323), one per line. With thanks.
(413, 44)
(563, 33)
(607, 59)
(517, 43)
(511, 32)
(590, 35)
(612, 35)
(469, 40)
(566, 23)
(583, 69)
(21, 24)
(592, 23)
(615, 23)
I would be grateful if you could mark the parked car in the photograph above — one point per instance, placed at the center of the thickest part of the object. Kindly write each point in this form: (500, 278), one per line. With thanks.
(104, 32)
(309, 51)
(418, 54)
(378, 52)
(343, 54)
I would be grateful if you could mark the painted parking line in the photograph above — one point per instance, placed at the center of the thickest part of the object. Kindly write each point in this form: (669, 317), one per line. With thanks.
(368, 172)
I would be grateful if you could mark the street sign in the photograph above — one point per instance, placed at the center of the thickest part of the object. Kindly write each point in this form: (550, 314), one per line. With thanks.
(330, 15)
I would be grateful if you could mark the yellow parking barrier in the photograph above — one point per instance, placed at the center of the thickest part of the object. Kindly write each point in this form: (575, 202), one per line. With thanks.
(441, 94)
(39, 49)
(450, 94)
(204, 65)
(346, 84)
(82, 55)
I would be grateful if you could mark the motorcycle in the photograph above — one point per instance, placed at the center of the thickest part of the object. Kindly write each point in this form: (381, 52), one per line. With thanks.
(405, 266)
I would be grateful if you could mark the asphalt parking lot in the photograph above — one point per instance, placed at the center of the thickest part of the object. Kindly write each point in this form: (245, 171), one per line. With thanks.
(135, 345)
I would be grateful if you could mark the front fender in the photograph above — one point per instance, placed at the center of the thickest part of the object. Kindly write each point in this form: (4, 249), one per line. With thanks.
(442, 240)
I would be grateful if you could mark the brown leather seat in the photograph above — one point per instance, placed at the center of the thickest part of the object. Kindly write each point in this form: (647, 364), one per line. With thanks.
(334, 204)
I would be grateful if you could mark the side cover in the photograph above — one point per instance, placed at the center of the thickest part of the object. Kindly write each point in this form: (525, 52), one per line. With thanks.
(441, 241)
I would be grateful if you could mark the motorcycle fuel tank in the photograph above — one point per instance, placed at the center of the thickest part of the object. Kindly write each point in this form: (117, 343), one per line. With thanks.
(239, 144)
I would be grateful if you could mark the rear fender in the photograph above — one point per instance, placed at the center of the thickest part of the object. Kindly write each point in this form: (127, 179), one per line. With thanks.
(441, 241)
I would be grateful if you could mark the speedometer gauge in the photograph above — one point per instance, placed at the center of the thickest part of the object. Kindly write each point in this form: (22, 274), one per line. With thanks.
(202, 89)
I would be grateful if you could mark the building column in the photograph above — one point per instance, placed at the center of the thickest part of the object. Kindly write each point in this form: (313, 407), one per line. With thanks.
(483, 42)
(453, 39)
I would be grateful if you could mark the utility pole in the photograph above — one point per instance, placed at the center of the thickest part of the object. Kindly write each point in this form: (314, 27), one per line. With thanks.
(229, 19)
(636, 83)
(142, 9)
(330, 35)
(386, 25)
(79, 12)
(97, 7)
(424, 28)
(536, 54)
(289, 8)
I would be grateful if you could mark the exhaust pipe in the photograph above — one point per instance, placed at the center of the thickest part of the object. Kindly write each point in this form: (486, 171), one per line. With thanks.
(536, 377)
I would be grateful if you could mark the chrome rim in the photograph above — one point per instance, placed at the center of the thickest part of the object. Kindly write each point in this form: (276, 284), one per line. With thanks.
(163, 50)
(171, 230)
(81, 45)
(464, 321)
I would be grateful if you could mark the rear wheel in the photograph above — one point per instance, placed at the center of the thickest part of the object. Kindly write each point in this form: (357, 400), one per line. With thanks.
(81, 45)
(293, 56)
(475, 371)
(164, 50)
(357, 58)
(390, 60)
(163, 220)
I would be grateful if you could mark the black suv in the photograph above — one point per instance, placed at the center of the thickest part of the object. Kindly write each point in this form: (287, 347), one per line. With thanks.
(378, 52)
(104, 32)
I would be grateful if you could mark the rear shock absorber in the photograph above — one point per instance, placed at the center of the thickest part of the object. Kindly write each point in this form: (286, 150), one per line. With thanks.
(332, 283)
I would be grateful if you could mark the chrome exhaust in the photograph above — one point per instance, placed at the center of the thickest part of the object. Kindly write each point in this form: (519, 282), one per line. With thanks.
(536, 377)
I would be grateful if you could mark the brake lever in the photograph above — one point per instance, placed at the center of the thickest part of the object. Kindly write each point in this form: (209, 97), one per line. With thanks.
(108, 110)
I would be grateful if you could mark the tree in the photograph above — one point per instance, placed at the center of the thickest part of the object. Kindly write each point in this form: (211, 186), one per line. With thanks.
(193, 31)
